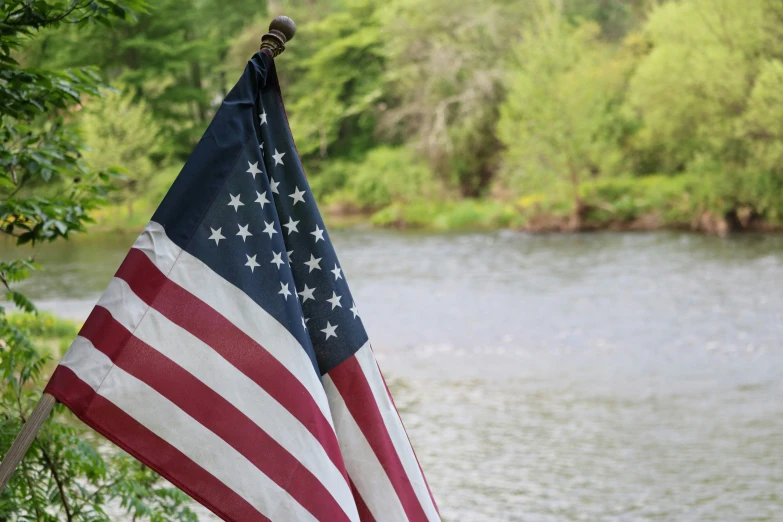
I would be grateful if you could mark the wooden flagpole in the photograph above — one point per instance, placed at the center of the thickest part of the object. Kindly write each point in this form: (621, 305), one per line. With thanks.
(25, 438)
(281, 30)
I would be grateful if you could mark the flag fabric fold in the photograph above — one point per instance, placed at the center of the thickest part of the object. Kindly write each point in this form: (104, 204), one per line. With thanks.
(227, 352)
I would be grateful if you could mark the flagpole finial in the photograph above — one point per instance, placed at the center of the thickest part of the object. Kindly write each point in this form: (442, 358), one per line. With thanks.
(281, 30)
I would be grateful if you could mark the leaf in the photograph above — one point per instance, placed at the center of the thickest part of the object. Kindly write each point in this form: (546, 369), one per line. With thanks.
(21, 301)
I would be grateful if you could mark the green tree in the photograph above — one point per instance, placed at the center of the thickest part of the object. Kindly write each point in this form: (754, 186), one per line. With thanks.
(445, 69)
(172, 57)
(616, 17)
(119, 131)
(335, 82)
(561, 120)
(46, 191)
(707, 93)
(693, 84)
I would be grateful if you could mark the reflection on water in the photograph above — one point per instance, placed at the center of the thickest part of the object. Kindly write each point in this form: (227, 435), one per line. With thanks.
(604, 377)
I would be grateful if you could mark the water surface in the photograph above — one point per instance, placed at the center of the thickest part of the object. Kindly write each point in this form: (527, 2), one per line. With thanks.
(600, 377)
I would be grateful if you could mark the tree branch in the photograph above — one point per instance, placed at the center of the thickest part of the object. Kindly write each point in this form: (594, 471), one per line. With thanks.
(59, 483)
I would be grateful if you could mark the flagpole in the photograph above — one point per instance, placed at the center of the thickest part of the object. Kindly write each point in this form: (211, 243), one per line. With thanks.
(25, 438)
(281, 30)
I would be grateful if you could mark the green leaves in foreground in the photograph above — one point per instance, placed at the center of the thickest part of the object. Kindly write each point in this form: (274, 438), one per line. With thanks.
(46, 192)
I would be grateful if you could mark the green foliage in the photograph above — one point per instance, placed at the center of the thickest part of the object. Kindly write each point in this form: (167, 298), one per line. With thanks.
(445, 74)
(390, 175)
(120, 132)
(624, 200)
(46, 189)
(561, 120)
(708, 93)
(702, 50)
(43, 325)
(507, 100)
(337, 63)
(384, 176)
(171, 56)
(468, 214)
(616, 17)
(46, 192)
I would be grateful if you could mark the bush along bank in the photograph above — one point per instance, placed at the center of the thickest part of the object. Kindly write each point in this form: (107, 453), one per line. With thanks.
(646, 203)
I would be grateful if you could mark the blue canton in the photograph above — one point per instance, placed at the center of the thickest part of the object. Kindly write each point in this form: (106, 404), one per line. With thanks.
(261, 230)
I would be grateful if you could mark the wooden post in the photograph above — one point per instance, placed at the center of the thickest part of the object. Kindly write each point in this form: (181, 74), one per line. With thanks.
(25, 438)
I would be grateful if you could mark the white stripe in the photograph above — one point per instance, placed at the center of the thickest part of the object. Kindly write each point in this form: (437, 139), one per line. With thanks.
(125, 306)
(236, 306)
(154, 242)
(169, 422)
(365, 470)
(93, 365)
(396, 430)
(200, 360)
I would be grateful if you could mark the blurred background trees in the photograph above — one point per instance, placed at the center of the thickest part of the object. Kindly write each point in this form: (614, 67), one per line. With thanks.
(566, 113)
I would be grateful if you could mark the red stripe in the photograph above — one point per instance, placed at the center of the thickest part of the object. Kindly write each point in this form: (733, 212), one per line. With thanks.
(364, 511)
(391, 399)
(190, 313)
(212, 411)
(351, 383)
(124, 431)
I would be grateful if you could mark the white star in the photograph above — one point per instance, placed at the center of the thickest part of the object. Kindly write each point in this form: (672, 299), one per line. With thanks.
(261, 199)
(306, 294)
(251, 262)
(335, 300)
(253, 169)
(216, 235)
(278, 259)
(235, 202)
(262, 117)
(274, 185)
(289, 253)
(244, 232)
(261, 146)
(298, 196)
(336, 272)
(354, 310)
(278, 156)
(313, 263)
(270, 228)
(291, 225)
(284, 290)
(319, 234)
(330, 330)
(304, 322)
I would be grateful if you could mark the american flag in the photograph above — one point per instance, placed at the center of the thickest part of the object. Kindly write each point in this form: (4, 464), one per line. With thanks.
(227, 352)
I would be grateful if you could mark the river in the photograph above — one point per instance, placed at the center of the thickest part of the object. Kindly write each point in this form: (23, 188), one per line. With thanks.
(598, 377)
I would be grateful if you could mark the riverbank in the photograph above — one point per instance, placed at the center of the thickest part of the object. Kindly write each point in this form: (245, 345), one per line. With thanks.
(617, 204)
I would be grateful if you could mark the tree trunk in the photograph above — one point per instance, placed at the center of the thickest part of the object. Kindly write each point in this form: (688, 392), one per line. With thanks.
(575, 223)
(195, 76)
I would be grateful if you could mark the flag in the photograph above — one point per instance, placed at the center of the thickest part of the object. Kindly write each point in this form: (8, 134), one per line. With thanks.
(227, 352)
